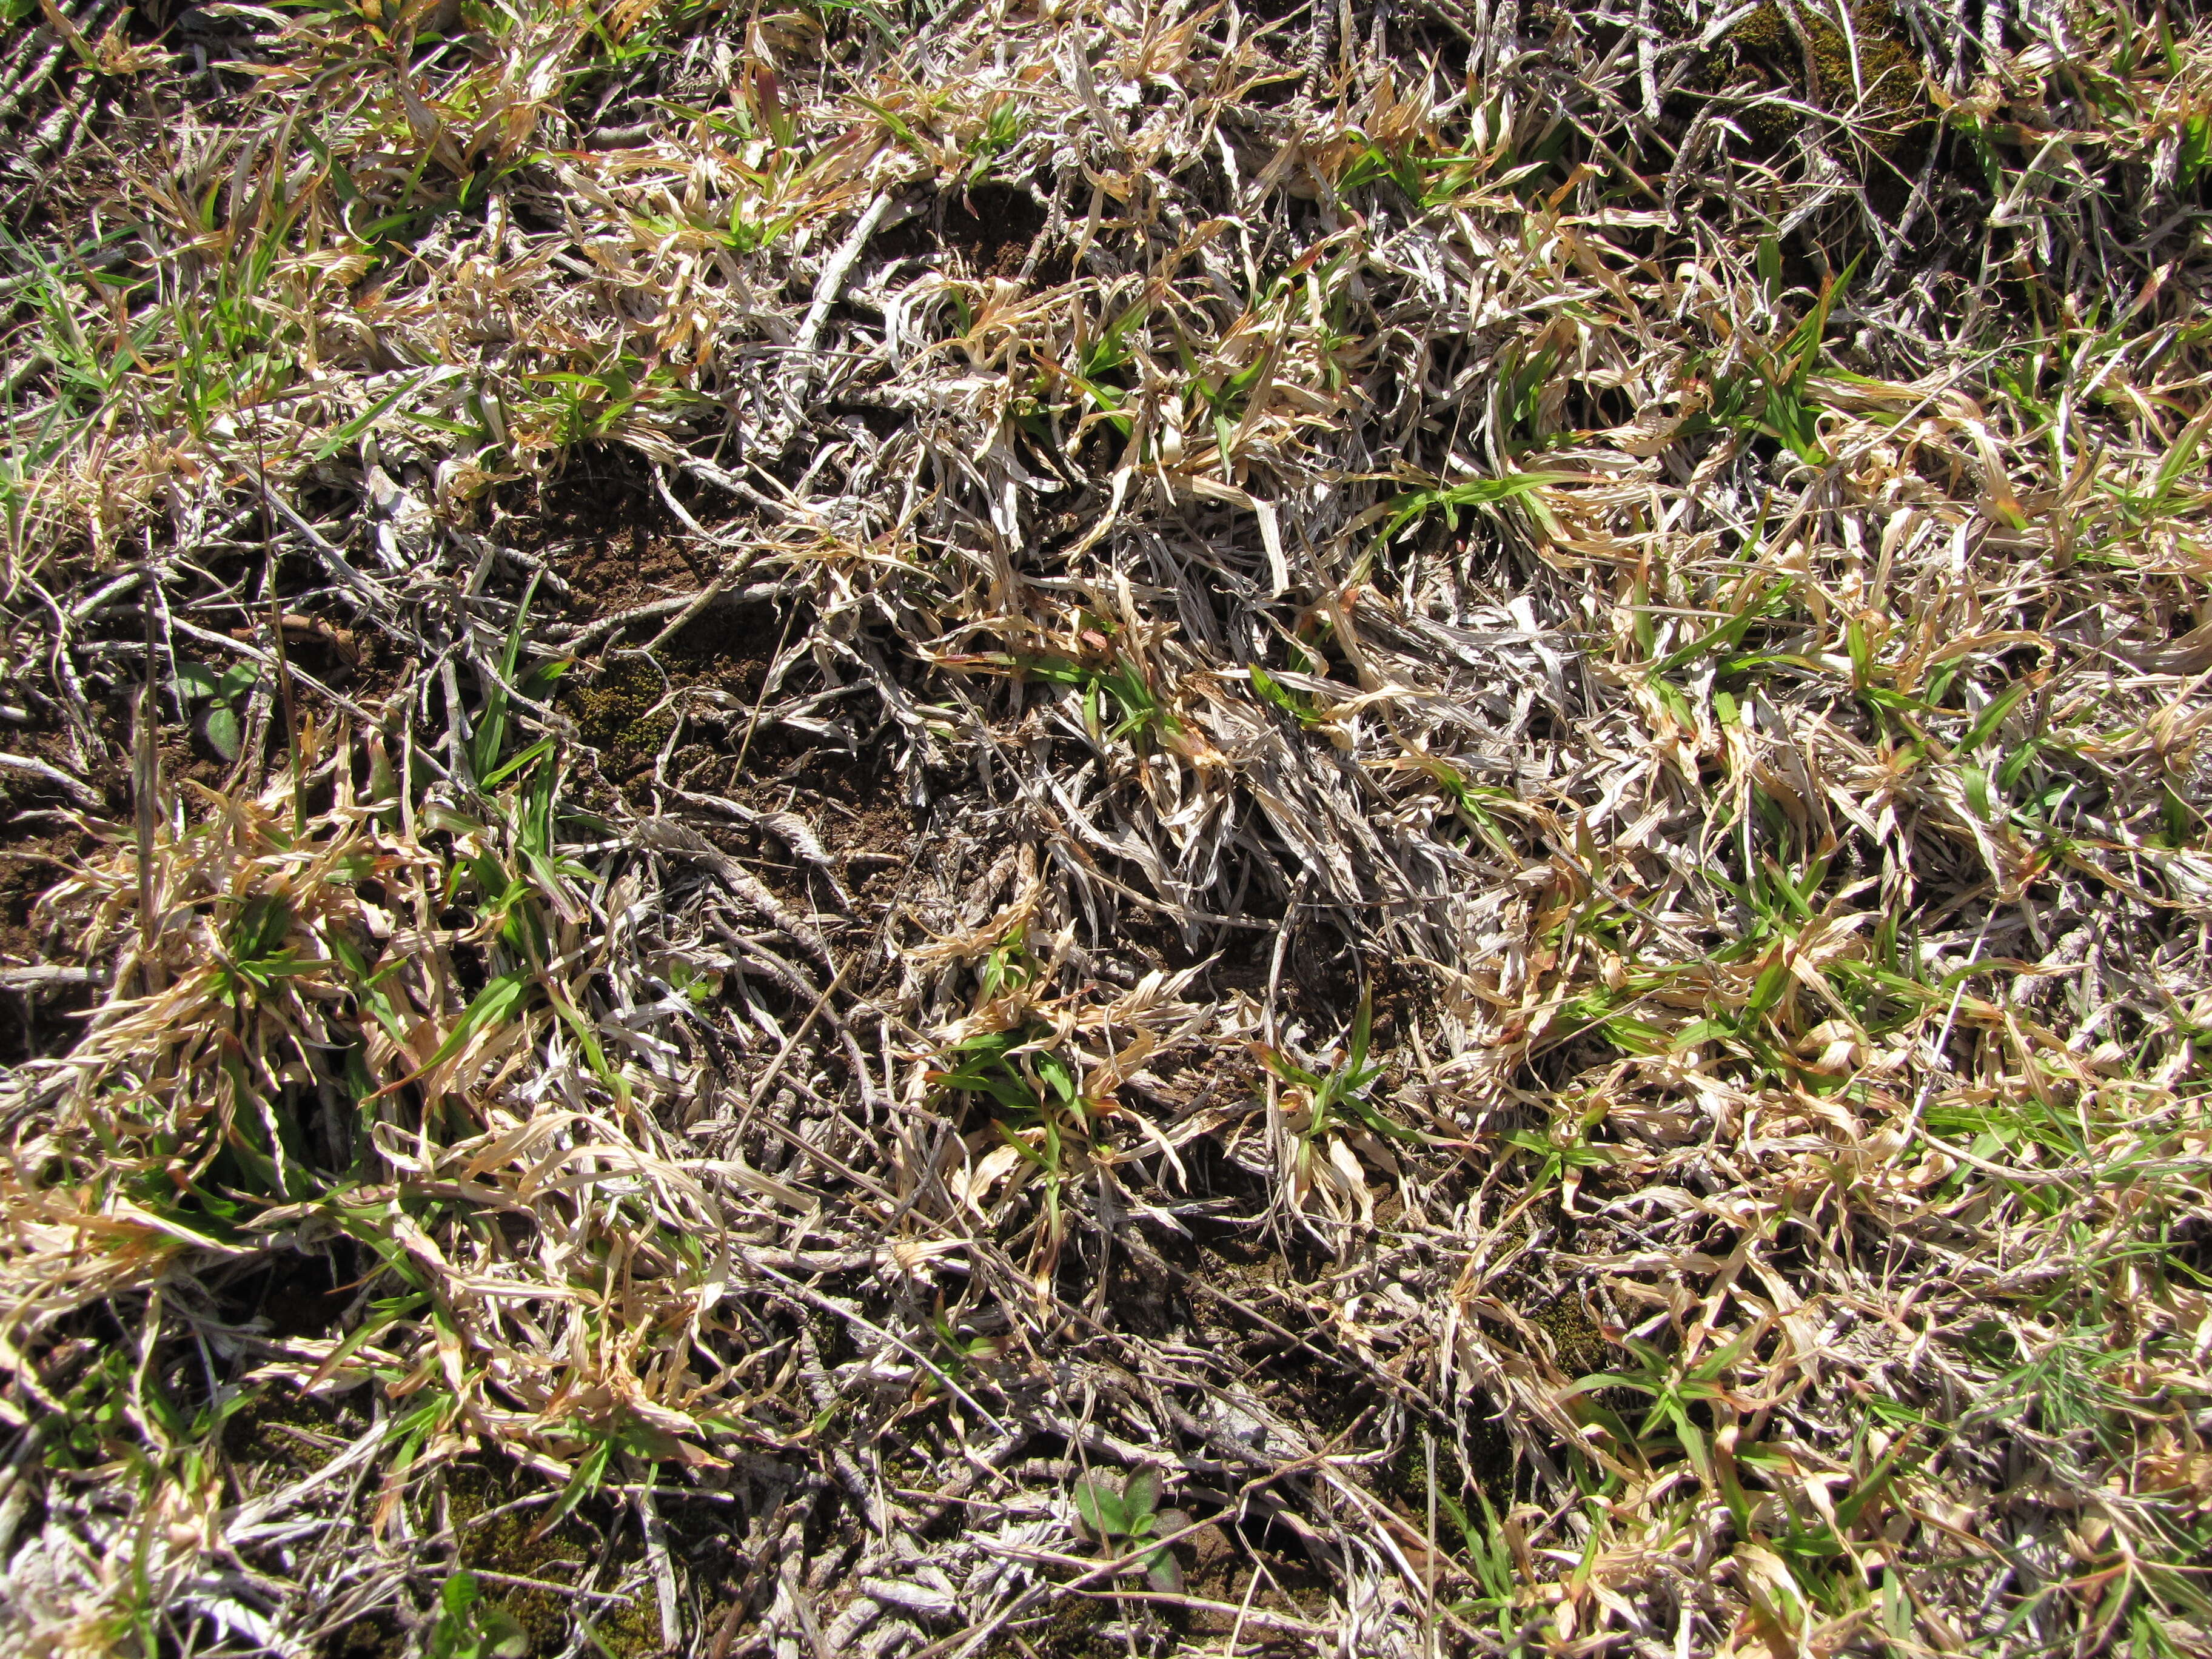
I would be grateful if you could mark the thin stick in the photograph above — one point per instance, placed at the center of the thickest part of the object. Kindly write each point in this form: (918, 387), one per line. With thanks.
(276, 636)
(573, 1590)
(815, 1299)
(760, 701)
(1237, 1630)
(664, 1570)
(82, 794)
(1429, 1463)
(146, 789)
(791, 1044)
(738, 564)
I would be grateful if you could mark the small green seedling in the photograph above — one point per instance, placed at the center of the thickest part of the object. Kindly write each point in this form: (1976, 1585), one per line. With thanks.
(1002, 129)
(1298, 705)
(697, 984)
(1342, 1093)
(1121, 1523)
(254, 956)
(1008, 967)
(471, 1626)
(1480, 495)
(963, 1351)
(220, 698)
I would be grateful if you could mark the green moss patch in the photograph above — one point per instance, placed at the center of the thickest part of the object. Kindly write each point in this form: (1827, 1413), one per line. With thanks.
(1896, 116)
(509, 1543)
(619, 714)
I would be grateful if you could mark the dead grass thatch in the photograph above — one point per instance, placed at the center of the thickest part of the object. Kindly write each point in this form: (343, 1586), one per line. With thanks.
(1054, 829)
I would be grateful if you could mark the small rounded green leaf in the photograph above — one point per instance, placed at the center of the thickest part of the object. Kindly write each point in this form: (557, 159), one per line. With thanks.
(1164, 1572)
(1140, 1493)
(237, 680)
(501, 1632)
(1101, 1511)
(222, 733)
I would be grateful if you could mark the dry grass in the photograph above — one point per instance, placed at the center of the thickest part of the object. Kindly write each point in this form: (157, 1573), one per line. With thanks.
(818, 799)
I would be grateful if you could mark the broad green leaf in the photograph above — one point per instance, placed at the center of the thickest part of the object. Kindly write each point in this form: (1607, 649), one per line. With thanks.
(501, 1633)
(1140, 1493)
(1475, 492)
(1163, 1572)
(1102, 1510)
(491, 726)
(1770, 267)
(581, 1485)
(1987, 721)
(1111, 350)
(457, 1599)
(506, 769)
(1730, 634)
(586, 1036)
(1772, 981)
(223, 735)
(1296, 706)
(361, 423)
(1976, 783)
(2195, 151)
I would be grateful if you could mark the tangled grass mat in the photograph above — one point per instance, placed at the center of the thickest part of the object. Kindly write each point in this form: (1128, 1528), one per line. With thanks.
(1077, 828)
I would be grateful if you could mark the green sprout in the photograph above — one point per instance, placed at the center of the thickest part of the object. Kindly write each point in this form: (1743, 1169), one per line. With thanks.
(1125, 1523)
(1002, 129)
(471, 1626)
(220, 699)
(1340, 1093)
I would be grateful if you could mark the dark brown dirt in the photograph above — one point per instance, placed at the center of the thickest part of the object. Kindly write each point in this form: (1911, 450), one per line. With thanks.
(360, 664)
(36, 854)
(852, 803)
(279, 1434)
(608, 534)
(1763, 53)
(1070, 1630)
(628, 567)
(984, 232)
(1192, 1079)
(187, 756)
(299, 1294)
(992, 226)
(726, 651)
(1219, 1565)
(373, 1636)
